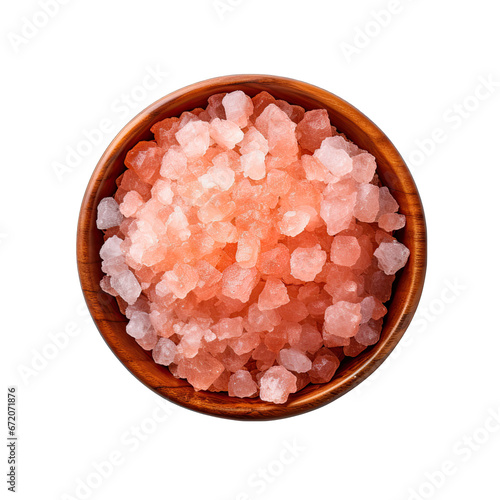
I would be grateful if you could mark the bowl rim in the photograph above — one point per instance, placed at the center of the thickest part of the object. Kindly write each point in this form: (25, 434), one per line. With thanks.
(325, 393)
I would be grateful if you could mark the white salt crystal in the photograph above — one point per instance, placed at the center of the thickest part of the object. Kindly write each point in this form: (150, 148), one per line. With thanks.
(127, 286)
(108, 214)
(139, 325)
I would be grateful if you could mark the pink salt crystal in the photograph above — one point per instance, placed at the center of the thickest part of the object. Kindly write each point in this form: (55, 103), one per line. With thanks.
(367, 203)
(363, 167)
(379, 284)
(253, 141)
(164, 132)
(108, 214)
(313, 129)
(144, 159)
(225, 133)
(105, 285)
(367, 334)
(208, 275)
(308, 292)
(139, 325)
(260, 321)
(216, 347)
(342, 319)
(391, 256)
(174, 370)
(229, 159)
(293, 331)
(177, 225)
(244, 191)
(259, 223)
(318, 307)
(337, 212)
(242, 385)
(223, 232)
(218, 208)
(174, 163)
(152, 215)
(215, 108)
(194, 138)
(387, 203)
(279, 182)
(248, 250)
(221, 383)
(279, 131)
(201, 371)
(277, 384)
(294, 360)
(192, 193)
(201, 245)
(343, 284)
(127, 286)
(323, 368)
(232, 361)
(225, 306)
(276, 339)
(162, 192)
(302, 380)
(340, 142)
(148, 341)
(303, 193)
(365, 260)
(345, 250)
(260, 102)
(354, 348)
(293, 222)
(314, 169)
(391, 222)
(337, 161)
(264, 357)
(383, 237)
(131, 182)
(309, 339)
(274, 295)
(188, 117)
(132, 201)
(294, 311)
(238, 107)
(275, 262)
(228, 328)
(221, 177)
(164, 352)
(335, 341)
(245, 343)
(191, 336)
(140, 305)
(306, 263)
(295, 113)
(367, 308)
(238, 283)
(379, 311)
(253, 164)
(162, 322)
(181, 280)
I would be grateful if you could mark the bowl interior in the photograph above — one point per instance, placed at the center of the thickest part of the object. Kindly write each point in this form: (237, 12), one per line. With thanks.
(392, 172)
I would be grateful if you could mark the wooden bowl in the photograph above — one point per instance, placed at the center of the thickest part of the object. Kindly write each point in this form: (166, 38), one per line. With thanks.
(406, 290)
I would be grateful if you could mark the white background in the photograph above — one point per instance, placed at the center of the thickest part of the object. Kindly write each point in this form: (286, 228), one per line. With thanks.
(382, 440)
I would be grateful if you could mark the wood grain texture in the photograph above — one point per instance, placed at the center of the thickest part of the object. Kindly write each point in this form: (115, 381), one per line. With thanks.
(406, 291)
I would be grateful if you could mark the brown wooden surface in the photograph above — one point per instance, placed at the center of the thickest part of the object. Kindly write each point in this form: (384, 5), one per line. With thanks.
(393, 173)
